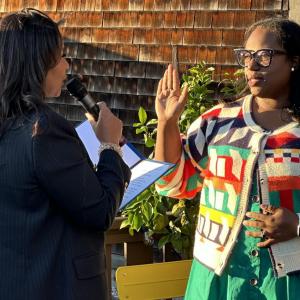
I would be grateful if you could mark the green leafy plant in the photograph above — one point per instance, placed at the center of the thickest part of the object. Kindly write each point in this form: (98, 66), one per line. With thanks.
(233, 84)
(198, 79)
(146, 128)
(171, 220)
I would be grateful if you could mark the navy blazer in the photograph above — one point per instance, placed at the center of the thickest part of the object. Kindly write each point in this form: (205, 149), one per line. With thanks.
(54, 209)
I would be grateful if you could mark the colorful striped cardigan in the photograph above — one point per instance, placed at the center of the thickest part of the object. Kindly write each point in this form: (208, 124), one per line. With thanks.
(220, 153)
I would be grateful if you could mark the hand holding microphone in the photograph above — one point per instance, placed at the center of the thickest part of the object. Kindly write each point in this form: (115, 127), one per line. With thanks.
(107, 127)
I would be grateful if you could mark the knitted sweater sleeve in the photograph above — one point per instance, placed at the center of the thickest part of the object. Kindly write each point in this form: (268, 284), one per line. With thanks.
(185, 179)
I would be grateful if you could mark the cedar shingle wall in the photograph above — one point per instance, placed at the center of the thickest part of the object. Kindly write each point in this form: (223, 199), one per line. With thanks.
(121, 47)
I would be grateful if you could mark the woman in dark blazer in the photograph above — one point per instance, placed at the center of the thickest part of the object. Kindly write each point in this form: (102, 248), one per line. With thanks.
(54, 206)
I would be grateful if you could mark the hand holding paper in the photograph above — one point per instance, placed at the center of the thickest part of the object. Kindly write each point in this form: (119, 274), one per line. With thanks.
(144, 171)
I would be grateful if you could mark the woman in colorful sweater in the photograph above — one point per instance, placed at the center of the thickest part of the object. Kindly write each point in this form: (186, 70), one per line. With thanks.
(244, 157)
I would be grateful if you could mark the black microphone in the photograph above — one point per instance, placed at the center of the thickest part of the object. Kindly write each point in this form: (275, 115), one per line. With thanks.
(80, 93)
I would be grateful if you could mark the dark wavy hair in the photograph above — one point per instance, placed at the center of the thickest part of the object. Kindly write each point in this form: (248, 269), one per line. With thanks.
(30, 45)
(287, 33)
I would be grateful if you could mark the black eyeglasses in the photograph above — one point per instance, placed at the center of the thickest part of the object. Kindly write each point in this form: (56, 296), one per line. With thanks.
(263, 57)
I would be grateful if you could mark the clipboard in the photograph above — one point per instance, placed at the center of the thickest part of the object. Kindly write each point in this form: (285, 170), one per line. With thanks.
(144, 171)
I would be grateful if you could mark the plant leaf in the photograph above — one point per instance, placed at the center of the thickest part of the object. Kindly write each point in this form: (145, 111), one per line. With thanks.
(149, 142)
(137, 222)
(162, 241)
(124, 224)
(177, 244)
(147, 210)
(152, 122)
(159, 222)
(142, 115)
(141, 129)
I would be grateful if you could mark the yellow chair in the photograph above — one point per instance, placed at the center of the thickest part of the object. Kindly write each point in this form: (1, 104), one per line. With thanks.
(153, 281)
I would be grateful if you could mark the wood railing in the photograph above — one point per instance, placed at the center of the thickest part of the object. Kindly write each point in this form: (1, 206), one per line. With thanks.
(135, 250)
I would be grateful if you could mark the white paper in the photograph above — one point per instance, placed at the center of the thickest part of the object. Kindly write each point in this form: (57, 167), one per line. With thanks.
(143, 175)
(130, 157)
(89, 139)
(144, 172)
(92, 144)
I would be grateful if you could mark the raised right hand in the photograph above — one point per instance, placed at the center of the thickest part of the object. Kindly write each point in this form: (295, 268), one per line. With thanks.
(170, 102)
(108, 128)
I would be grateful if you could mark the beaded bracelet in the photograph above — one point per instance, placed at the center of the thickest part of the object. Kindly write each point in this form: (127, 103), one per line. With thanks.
(110, 146)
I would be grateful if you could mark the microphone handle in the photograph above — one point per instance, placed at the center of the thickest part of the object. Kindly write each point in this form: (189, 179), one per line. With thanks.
(91, 107)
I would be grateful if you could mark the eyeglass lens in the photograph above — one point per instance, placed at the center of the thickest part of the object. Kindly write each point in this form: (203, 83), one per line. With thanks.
(262, 57)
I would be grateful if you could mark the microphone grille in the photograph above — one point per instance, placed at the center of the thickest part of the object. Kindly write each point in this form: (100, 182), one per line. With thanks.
(76, 87)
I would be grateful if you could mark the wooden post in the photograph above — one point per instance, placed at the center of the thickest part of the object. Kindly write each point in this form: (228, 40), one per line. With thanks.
(136, 252)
